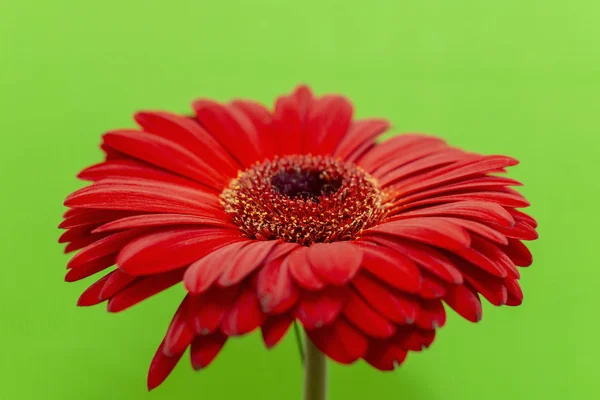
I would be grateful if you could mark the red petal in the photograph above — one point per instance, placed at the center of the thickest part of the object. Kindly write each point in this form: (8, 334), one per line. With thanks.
(244, 316)
(305, 98)
(433, 287)
(126, 170)
(480, 229)
(476, 258)
(473, 184)
(429, 230)
(207, 310)
(222, 124)
(450, 158)
(518, 253)
(431, 315)
(393, 306)
(289, 119)
(91, 296)
(248, 127)
(465, 302)
(415, 158)
(390, 149)
(160, 367)
(493, 252)
(275, 288)
(385, 356)
(204, 272)
(340, 341)
(275, 328)
(142, 289)
(428, 258)
(484, 212)
(247, 259)
(102, 248)
(205, 349)
(442, 159)
(360, 137)
(490, 287)
(261, 118)
(189, 135)
(90, 268)
(359, 314)
(112, 154)
(317, 309)
(301, 271)
(78, 233)
(328, 121)
(496, 197)
(282, 249)
(180, 334)
(161, 220)
(413, 338)
(72, 212)
(117, 281)
(167, 250)
(463, 170)
(515, 294)
(137, 197)
(520, 230)
(335, 263)
(521, 216)
(84, 241)
(393, 268)
(92, 217)
(165, 154)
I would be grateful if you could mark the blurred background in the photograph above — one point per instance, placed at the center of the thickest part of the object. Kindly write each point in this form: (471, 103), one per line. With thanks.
(517, 77)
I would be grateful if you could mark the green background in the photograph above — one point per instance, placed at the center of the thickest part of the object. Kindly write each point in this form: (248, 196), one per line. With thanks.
(520, 77)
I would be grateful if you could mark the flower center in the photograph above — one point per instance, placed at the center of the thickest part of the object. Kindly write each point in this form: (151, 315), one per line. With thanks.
(305, 184)
(304, 199)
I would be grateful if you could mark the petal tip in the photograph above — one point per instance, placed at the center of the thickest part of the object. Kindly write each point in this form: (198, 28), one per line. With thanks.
(478, 316)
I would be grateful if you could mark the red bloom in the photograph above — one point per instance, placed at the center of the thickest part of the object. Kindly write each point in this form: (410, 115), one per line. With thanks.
(296, 214)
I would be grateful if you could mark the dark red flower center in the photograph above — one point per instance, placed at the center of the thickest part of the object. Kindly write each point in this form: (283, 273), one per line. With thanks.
(305, 184)
(304, 199)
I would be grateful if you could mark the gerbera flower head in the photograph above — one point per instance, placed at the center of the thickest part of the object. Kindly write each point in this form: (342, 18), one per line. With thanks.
(295, 214)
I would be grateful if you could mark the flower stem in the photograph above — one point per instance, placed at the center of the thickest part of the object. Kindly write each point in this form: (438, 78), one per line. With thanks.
(315, 373)
(299, 341)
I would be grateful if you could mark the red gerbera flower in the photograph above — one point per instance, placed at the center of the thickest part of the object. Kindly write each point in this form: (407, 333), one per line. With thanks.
(296, 214)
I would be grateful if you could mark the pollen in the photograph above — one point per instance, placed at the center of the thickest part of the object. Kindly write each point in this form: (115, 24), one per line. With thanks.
(304, 199)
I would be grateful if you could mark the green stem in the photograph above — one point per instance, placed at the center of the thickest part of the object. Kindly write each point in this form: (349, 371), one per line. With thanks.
(299, 341)
(315, 373)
